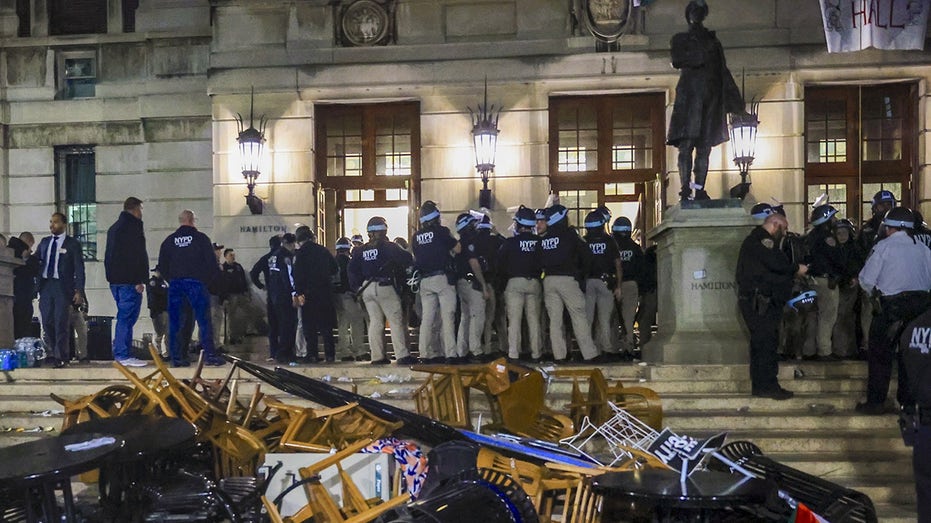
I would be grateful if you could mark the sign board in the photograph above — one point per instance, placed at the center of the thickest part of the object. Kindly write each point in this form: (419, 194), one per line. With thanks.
(683, 451)
(854, 25)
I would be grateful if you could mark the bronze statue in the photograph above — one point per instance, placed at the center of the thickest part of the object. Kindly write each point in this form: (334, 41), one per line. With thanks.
(705, 94)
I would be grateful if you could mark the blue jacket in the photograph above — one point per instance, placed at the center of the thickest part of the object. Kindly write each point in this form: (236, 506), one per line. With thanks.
(188, 254)
(70, 263)
(126, 260)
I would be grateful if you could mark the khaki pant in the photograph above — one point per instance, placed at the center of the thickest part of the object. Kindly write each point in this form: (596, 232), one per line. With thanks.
(495, 318)
(351, 326)
(844, 342)
(523, 294)
(217, 320)
(79, 327)
(828, 300)
(236, 307)
(382, 302)
(560, 292)
(599, 304)
(437, 296)
(471, 319)
(630, 296)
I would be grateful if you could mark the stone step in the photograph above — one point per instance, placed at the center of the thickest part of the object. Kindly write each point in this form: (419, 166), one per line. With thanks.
(806, 385)
(727, 421)
(881, 439)
(840, 466)
(814, 402)
(896, 513)
(893, 490)
(837, 369)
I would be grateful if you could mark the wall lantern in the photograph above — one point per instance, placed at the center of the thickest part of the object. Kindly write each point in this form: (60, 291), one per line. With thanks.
(485, 140)
(743, 131)
(251, 143)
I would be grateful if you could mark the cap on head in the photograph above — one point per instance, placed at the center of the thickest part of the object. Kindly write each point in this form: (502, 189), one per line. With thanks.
(555, 214)
(343, 244)
(429, 211)
(883, 196)
(525, 217)
(594, 220)
(822, 214)
(218, 246)
(376, 224)
(463, 221)
(622, 225)
(900, 218)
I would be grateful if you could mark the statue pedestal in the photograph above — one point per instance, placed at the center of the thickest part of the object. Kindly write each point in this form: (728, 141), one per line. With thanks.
(697, 247)
(8, 262)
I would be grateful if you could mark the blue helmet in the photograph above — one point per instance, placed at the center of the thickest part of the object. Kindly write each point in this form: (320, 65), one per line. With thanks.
(376, 224)
(883, 196)
(622, 225)
(555, 214)
(464, 220)
(525, 217)
(429, 211)
(594, 220)
(761, 210)
(822, 214)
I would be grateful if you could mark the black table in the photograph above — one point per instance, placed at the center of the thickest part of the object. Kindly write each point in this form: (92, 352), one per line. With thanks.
(659, 495)
(38, 468)
(148, 438)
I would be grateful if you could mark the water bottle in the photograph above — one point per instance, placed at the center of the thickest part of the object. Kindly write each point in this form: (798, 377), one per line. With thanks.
(378, 481)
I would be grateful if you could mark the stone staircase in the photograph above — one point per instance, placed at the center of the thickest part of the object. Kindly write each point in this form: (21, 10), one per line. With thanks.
(816, 432)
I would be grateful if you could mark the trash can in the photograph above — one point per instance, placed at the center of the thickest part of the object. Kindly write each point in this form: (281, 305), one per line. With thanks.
(100, 337)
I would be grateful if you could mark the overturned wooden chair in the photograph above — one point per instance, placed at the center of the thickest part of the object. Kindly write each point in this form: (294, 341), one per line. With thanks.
(321, 430)
(591, 394)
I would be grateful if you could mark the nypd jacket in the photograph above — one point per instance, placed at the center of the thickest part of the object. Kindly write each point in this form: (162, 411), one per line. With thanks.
(188, 253)
(126, 261)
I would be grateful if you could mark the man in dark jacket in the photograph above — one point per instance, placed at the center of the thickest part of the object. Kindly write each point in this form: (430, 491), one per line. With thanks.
(236, 302)
(314, 269)
(127, 266)
(261, 269)
(24, 284)
(188, 263)
(280, 287)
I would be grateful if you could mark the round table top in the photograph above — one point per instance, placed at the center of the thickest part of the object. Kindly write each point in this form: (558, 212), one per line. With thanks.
(55, 457)
(703, 489)
(144, 435)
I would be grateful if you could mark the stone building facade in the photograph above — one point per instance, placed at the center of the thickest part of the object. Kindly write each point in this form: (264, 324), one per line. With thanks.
(368, 107)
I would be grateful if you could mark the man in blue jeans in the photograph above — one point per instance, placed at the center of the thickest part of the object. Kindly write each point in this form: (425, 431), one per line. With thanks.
(127, 266)
(188, 263)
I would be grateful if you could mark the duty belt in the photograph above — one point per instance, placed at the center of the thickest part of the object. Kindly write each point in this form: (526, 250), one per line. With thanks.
(432, 273)
(910, 295)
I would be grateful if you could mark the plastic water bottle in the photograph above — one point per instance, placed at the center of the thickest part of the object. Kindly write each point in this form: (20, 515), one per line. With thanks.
(378, 480)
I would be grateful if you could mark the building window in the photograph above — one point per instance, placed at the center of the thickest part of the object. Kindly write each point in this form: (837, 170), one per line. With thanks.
(129, 15)
(607, 150)
(860, 139)
(74, 17)
(369, 153)
(76, 194)
(77, 74)
(24, 13)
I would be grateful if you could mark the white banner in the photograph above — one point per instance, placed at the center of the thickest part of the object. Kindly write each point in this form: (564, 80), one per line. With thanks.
(853, 25)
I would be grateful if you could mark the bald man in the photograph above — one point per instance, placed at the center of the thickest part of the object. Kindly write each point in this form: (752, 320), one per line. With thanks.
(188, 264)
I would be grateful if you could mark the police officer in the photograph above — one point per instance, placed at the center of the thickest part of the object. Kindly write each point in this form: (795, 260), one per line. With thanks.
(826, 267)
(280, 288)
(261, 269)
(351, 318)
(487, 244)
(897, 275)
(844, 340)
(433, 247)
(314, 272)
(472, 292)
(764, 281)
(372, 270)
(916, 356)
(922, 233)
(566, 259)
(519, 262)
(631, 256)
(188, 263)
(882, 202)
(602, 280)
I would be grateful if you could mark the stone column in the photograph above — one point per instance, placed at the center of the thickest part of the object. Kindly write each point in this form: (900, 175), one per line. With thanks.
(8, 262)
(698, 320)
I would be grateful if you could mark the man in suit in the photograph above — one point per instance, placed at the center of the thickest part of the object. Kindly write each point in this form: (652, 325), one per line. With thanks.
(61, 285)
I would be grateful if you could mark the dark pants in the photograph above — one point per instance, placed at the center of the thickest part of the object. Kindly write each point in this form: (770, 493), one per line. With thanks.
(55, 308)
(887, 326)
(764, 341)
(921, 463)
(319, 316)
(286, 328)
(273, 341)
(22, 319)
(194, 293)
(702, 153)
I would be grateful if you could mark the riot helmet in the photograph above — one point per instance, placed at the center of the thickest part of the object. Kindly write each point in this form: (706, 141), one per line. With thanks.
(343, 244)
(555, 214)
(804, 301)
(429, 212)
(822, 214)
(463, 221)
(376, 226)
(622, 226)
(525, 217)
(595, 220)
(900, 218)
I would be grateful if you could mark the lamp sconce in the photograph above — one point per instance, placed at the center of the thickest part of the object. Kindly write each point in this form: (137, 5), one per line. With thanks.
(485, 141)
(743, 131)
(251, 143)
